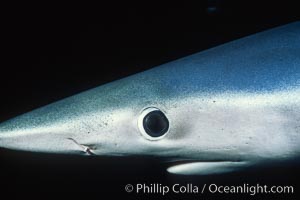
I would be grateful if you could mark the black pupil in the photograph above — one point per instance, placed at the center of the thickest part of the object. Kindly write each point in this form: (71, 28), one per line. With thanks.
(156, 123)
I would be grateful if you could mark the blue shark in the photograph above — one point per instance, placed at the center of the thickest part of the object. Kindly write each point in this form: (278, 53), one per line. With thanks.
(229, 107)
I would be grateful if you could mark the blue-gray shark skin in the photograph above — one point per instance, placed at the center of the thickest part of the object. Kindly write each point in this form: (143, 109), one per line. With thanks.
(231, 106)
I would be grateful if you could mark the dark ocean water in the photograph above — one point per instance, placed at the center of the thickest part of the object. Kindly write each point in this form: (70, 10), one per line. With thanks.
(56, 176)
(52, 51)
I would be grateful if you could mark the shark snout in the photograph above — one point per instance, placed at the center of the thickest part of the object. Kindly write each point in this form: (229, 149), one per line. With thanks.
(17, 134)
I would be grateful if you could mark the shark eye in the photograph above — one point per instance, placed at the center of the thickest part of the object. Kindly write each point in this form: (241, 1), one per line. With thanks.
(153, 123)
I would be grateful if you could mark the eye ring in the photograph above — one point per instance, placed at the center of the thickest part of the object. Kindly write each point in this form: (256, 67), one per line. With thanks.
(153, 124)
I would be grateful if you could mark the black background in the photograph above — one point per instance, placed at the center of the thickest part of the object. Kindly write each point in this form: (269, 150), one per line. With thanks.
(51, 51)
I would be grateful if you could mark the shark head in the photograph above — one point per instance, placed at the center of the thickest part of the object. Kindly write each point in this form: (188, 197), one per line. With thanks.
(138, 115)
(204, 109)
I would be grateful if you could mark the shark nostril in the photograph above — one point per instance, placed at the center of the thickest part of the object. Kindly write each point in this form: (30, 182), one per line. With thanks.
(86, 148)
